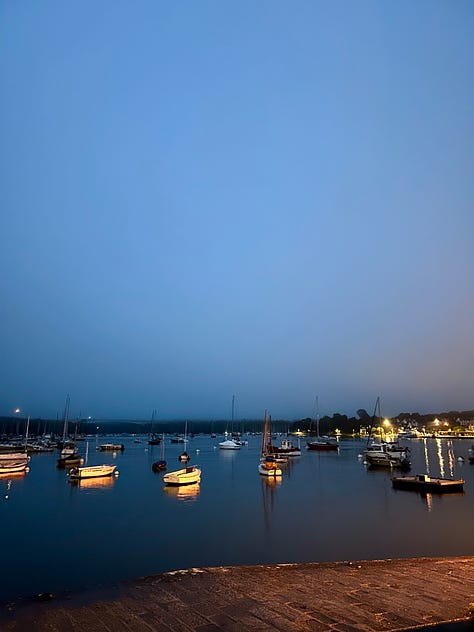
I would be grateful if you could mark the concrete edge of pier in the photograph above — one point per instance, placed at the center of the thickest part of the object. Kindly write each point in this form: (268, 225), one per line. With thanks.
(357, 596)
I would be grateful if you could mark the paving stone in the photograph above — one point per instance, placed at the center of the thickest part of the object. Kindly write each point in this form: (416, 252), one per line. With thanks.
(361, 596)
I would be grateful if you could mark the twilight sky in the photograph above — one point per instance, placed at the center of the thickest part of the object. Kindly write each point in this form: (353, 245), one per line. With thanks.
(272, 199)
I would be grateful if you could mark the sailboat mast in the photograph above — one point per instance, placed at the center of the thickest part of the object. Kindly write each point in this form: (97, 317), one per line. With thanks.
(264, 433)
(26, 433)
(317, 416)
(377, 404)
(232, 415)
(269, 432)
(66, 417)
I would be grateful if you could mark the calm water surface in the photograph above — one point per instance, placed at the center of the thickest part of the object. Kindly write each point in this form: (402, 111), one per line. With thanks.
(57, 536)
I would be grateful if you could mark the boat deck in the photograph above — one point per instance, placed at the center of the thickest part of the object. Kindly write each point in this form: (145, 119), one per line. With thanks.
(369, 596)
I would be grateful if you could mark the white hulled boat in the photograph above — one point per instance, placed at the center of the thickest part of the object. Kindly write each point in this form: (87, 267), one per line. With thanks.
(10, 457)
(12, 467)
(233, 443)
(187, 476)
(229, 444)
(92, 471)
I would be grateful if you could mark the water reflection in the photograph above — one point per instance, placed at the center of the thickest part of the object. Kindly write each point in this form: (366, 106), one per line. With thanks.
(451, 459)
(288, 465)
(438, 456)
(183, 492)
(440, 500)
(15, 475)
(9, 479)
(439, 453)
(335, 492)
(429, 501)
(99, 482)
(425, 454)
(270, 485)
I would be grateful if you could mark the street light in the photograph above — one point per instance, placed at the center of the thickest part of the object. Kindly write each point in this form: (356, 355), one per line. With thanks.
(17, 412)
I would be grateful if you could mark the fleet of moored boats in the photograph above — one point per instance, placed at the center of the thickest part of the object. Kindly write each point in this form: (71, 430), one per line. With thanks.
(14, 459)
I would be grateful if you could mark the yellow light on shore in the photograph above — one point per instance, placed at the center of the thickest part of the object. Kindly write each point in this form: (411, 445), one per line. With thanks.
(386, 422)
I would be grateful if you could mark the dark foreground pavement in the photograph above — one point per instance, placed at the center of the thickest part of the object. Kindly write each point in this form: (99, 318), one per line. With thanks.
(344, 596)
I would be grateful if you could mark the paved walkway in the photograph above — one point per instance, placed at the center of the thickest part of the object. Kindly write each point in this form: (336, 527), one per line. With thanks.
(367, 596)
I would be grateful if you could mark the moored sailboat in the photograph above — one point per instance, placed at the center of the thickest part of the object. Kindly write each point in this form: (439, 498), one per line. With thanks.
(267, 465)
(68, 447)
(153, 439)
(184, 456)
(160, 466)
(324, 444)
(230, 444)
(385, 454)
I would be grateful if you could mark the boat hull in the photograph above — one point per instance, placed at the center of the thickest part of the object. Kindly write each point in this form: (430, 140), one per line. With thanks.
(16, 457)
(273, 473)
(186, 476)
(110, 447)
(229, 445)
(268, 467)
(13, 467)
(159, 466)
(67, 461)
(423, 483)
(387, 462)
(93, 471)
(285, 449)
(322, 446)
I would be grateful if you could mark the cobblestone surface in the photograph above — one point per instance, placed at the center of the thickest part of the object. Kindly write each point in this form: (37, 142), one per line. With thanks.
(365, 596)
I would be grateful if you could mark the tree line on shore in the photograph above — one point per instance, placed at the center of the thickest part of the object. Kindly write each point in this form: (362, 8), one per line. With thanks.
(341, 423)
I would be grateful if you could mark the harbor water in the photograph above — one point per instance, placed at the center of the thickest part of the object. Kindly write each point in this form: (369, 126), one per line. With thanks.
(57, 536)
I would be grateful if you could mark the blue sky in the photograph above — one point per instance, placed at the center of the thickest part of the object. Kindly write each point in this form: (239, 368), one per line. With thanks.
(268, 199)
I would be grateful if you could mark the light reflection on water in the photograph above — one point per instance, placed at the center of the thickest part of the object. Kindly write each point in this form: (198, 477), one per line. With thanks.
(439, 453)
(184, 492)
(102, 482)
(326, 507)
